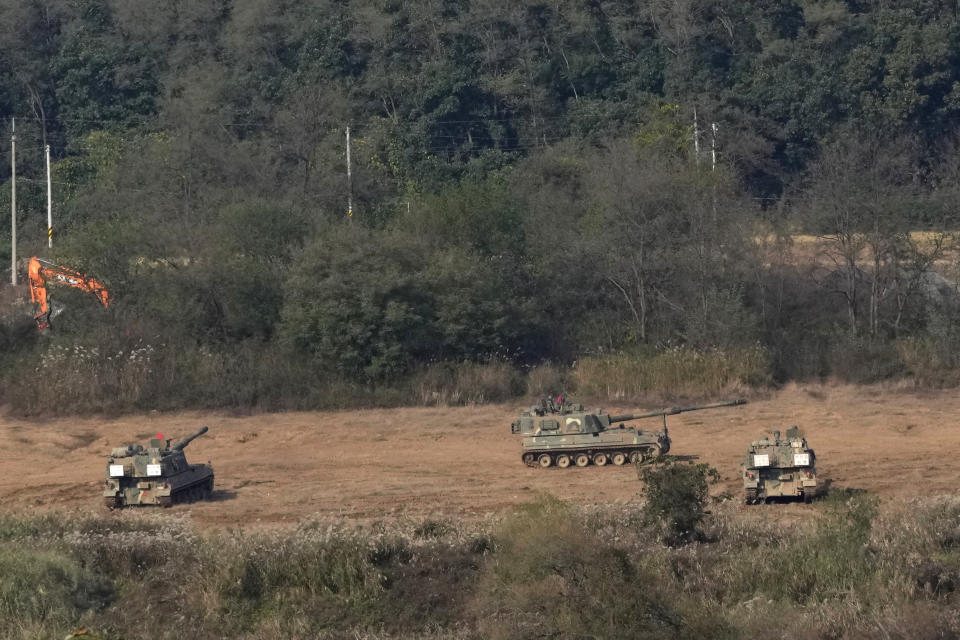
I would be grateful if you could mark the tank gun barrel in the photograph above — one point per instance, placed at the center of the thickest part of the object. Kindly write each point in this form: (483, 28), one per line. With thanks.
(189, 439)
(675, 410)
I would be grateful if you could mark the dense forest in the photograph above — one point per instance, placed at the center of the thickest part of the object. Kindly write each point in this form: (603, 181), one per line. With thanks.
(536, 190)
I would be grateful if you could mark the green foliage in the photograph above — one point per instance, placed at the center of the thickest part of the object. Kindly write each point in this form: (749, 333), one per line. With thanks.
(318, 573)
(524, 190)
(849, 568)
(46, 588)
(676, 496)
(545, 549)
(355, 304)
(372, 305)
(829, 562)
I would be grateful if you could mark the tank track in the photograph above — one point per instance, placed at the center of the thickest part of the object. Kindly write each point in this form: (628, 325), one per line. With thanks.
(753, 497)
(190, 493)
(585, 457)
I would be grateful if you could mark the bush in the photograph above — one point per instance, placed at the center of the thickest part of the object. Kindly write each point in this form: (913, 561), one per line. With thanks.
(676, 497)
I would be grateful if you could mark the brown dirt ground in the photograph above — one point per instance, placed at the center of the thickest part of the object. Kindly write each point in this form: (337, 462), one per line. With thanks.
(463, 462)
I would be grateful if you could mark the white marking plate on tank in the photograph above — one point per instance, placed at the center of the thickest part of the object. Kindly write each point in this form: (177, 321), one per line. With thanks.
(801, 459)
(761, 460)
(153, 469)
(116, 470)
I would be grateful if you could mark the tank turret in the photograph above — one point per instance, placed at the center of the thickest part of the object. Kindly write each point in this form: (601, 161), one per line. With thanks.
(157, 474)
(560, 433)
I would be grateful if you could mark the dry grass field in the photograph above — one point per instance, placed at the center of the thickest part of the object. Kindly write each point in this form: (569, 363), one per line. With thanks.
(275, 469)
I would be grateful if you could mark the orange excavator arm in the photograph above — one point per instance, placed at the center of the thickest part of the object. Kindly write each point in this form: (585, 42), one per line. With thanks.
(43, 273)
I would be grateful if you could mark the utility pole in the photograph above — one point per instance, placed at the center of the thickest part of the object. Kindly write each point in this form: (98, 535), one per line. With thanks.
(349, 179)
(696, 138)
(13, 201)
(713, 145)
(49, 201)
(713, 168)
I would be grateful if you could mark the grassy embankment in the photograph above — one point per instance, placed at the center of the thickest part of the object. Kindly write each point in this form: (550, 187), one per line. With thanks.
(854, 570)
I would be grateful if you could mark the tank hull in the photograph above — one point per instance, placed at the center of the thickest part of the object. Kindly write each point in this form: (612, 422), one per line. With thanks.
(632, 445)
(195, 483)
(779, 483)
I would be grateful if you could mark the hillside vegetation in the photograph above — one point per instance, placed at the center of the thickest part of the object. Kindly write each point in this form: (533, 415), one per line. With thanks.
(547, 570)
(529, 208)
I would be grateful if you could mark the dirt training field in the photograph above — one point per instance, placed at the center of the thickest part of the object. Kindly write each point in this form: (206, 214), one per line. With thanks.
(279, 468)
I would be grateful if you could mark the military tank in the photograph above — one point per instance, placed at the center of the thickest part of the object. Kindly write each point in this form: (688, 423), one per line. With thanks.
(777, 467)
(156, 474)
(561, 433)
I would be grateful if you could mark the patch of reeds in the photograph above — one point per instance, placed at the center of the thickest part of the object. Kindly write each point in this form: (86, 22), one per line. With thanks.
(675, 372)
(446, 383)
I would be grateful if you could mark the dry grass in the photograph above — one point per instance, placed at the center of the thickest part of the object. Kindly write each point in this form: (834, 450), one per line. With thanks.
(850, 570)
(448, 384)
(676, 372)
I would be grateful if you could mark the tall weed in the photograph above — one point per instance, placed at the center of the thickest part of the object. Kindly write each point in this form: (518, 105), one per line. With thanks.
(446, 383)
(679, 371)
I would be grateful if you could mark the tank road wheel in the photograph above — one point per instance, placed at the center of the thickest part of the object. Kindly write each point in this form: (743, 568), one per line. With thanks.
(619, 459)
(635, 457)
(563, 461)
(544, 460)
(651, 454)
(582, 460)
(600, 459)
(529, 459)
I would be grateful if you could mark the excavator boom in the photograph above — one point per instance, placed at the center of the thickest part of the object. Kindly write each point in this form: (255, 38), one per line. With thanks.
(43, 273)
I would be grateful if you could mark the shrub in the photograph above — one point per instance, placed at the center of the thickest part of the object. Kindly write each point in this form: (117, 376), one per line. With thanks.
(676, 497)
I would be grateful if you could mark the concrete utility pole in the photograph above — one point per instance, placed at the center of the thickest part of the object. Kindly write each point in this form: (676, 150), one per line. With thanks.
(696, 138)
(713, 145)
(49, 201)
(349, 179)
(13, 201)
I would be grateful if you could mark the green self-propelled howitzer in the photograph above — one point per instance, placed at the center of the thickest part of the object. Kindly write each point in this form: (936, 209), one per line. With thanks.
(778, 467)
(157, 474)
(561, 433)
